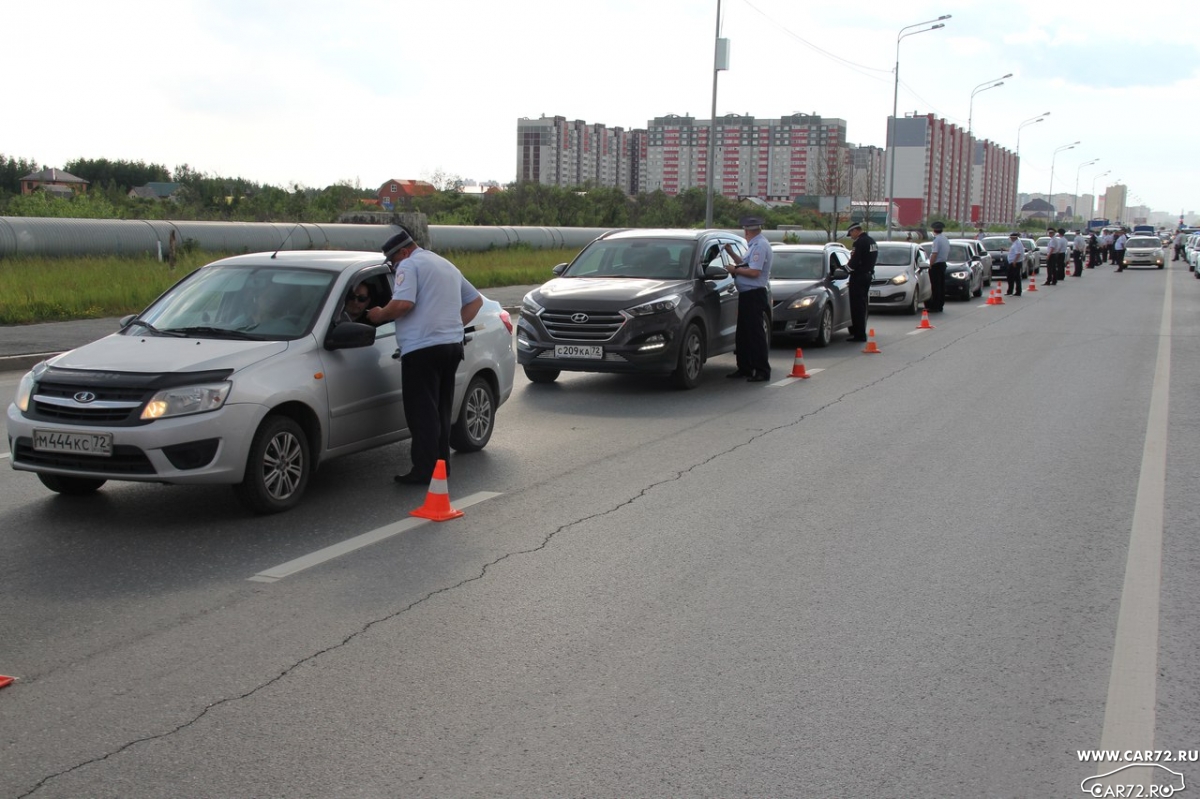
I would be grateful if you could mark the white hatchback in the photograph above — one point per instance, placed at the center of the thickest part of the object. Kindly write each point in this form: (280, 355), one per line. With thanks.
(244, 373)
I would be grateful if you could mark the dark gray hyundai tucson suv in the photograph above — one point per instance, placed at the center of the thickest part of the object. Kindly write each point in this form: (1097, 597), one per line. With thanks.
(654, 301)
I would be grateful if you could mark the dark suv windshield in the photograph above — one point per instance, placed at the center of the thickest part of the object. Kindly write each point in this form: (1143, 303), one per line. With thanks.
(660, 259)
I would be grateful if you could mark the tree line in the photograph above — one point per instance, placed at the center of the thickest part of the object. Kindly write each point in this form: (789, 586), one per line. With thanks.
(206, 197)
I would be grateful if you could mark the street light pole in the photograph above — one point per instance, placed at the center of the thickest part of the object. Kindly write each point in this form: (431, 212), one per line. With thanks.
(1050, 196)
(1016, 186)
(895, 109)
(712, 124)
(1075, 202)
(983, 87)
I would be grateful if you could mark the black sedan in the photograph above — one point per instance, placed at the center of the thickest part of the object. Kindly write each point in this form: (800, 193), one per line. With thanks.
(809, 291)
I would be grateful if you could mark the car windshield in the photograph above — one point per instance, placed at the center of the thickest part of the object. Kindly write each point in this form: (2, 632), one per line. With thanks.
(959, 254)
(794, 265)
(894, 256)
(1144, 242)
(660, 259)
(994, 243)
(1043, 241)
(248, 302)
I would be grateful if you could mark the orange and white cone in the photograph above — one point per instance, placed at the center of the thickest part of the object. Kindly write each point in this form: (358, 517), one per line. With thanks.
(991, 300)
(798, 366)
(1032, 283)
(437, 499)
(924, 322)
(999, 298)
(5, 681)
(872, 348)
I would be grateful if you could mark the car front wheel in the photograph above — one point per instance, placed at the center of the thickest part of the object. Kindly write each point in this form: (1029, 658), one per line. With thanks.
(691, 358)
(541, 375)
(277, 468)
(824, 328)
(476, 418)
(912, 306)
(71, 486)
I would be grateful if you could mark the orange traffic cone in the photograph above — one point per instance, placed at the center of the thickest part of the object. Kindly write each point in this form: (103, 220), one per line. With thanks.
(871, 347)
(924, 322)
(798, 366)
(4, 681)
(437, 499)
(999, 298)
(1032, 283)
(991, 300)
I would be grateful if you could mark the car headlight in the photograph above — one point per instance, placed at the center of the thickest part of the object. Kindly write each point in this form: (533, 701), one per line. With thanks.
(802, 302)
(186, 400)
(529, 306)
(25, 391)
(960, 274)
(899, 280)
(661, 305)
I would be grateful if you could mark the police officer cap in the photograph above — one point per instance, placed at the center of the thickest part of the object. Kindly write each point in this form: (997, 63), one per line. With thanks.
(938, 226)
(1014, 235)
(397, 243)
(751, 223)
(854, 226)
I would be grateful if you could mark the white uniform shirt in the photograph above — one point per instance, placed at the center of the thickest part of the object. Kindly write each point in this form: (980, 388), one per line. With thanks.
(438, 292)
(939, 250)
(1016, 253)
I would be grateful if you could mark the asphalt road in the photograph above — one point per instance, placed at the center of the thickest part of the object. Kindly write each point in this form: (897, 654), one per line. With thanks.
(901, 577)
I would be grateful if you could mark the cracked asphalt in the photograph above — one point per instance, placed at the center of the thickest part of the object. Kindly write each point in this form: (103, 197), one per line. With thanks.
(901, 576)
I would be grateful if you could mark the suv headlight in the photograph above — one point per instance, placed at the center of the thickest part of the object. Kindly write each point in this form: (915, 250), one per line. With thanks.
(802, 302)
(661, 305)
(529, 306)
(900, 279)
(186, 400)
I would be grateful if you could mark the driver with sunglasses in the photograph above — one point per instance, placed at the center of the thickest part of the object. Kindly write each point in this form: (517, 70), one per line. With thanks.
(354, 309)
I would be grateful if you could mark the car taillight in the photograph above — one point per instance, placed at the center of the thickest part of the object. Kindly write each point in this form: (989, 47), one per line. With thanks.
(507, 320)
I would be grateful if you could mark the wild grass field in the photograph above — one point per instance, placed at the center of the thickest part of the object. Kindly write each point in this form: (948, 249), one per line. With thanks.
(61, 289)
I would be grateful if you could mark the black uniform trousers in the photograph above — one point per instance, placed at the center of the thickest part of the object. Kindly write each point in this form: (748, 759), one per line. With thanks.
(751, 345)
(937, 282)
(860, 292)
(1077, 256)
(1014, 278)
(1119, 258)
(427, 375)
(1052, 268)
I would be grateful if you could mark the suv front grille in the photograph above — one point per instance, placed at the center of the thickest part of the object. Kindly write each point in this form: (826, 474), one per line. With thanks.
(582, 325)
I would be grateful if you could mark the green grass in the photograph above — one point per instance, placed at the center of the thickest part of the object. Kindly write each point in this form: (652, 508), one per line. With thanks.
(61, 289)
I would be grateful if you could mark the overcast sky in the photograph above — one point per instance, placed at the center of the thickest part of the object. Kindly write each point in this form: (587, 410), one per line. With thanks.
(296, 91)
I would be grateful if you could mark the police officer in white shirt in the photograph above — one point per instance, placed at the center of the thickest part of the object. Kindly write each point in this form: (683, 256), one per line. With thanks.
(939, 253)
(1016, 256)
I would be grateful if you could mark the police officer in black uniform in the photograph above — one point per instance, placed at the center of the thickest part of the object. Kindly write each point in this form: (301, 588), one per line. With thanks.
(862, 269)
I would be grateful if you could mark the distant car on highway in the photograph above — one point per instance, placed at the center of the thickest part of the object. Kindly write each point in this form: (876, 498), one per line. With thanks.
(810, 291)
(998, 246)
(244, 373)
(901, 277)
(634, 301)
(964, 271)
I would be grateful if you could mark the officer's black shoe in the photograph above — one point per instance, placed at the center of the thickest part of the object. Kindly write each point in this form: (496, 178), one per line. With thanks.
(738, 373)
(411, 479)
(856, 338)
(759, 377)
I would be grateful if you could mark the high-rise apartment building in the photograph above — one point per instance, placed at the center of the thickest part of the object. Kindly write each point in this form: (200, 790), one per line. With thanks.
(773, 159)
(1114, 203)
(556, 151)
(933, 173)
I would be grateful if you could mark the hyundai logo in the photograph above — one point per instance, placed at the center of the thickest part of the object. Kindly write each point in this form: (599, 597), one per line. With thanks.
(579, 318)
(84, 397)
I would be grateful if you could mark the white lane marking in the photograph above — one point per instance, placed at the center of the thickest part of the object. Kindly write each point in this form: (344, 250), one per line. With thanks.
(787, 381)
(918, 330)
(1129, 710)
(303, 562)
(4, 455)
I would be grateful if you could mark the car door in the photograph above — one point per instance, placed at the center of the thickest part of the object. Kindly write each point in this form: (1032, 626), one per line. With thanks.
(366, 398)
(720, 296)
(921, 266)
(839, 288)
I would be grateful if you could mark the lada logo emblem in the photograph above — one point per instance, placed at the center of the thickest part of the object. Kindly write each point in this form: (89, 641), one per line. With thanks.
(84, 397)
(579, 318)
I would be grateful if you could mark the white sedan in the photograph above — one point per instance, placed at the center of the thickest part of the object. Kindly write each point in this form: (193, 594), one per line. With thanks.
(901, 277)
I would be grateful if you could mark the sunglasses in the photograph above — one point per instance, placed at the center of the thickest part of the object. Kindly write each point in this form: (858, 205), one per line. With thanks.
(359, 297)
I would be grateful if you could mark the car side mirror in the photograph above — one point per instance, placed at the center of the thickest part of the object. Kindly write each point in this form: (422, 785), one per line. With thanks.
(839, 273)
(349, 335)
(715, 272)
(559, 269)
(125, 321)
